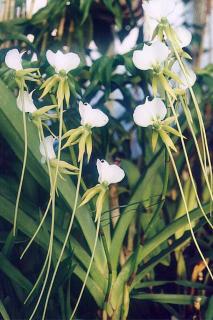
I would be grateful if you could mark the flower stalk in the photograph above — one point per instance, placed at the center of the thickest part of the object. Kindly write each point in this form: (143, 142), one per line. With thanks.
(66, 238)
(24, 160)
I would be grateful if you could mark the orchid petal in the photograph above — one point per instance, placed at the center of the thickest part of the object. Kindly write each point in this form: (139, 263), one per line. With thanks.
(158, 9)
(25, 102)
(142, 117)
(191, 76)
(71, 61)
(143, 59)
(92, 117)
(149, 112)
(50, 55)
(46, 148)
(63, 62)
(158, 109)
(160, 51)
(109, 173)
(184, 36)
(13, 60)
(150, 56)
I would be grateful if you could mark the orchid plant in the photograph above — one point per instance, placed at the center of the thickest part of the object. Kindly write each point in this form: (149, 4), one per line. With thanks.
(110, 272)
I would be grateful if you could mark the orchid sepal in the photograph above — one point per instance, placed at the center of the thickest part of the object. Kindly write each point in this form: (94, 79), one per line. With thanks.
(64, 165)
(42, 111)
(185, 55)
(81, 136)
(172, 75)
(155, 86)
(155, 136)
(73, 134)
(172, 130)
(167, 87)
(167, 140)
(179, 92)
(90, 194)
(48, 85)
(100, 190)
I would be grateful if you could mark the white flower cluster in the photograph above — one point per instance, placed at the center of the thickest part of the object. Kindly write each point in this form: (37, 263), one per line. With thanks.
(158, 55)
(89, 117)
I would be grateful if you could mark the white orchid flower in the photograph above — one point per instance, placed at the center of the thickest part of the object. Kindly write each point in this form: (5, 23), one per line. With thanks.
(191, 76)
(47, 148)
(150, 112)
(25, 102)
(173, 12)
(109, 173)
(13, 59)
(176, 18)
(92, 117)
(63, 61)
(151, 57)
(159, 9)
(184, 36)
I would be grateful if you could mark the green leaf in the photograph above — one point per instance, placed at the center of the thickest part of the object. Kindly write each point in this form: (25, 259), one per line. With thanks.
(132, 172)
(209, 310)
(14, 274)
(140, 193)
(179, 299)
(85, 7)
(162, 236)
(184, 283)
(28, 226)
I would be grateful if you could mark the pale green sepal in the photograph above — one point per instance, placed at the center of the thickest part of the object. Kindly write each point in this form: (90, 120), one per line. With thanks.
(155, 136)
(167, 140)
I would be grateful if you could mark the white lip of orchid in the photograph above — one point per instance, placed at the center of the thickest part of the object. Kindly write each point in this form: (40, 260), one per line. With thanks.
(151, 57)
(47, 148)
(109, 173)
(63, 62)
(150, 113)
(13, 59)
(25, 103)
(191, 76)
(92, 117)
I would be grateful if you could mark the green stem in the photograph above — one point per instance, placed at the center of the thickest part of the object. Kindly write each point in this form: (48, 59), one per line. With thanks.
(202, 127)
(89, 267)
(24, 160)
(186, 109)
(66, 239)
(39, 277)
(49, 258)
(187, 212)
(41, 138)
(38, 229)
(109, 265)
(187, 161)
(53, 191)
